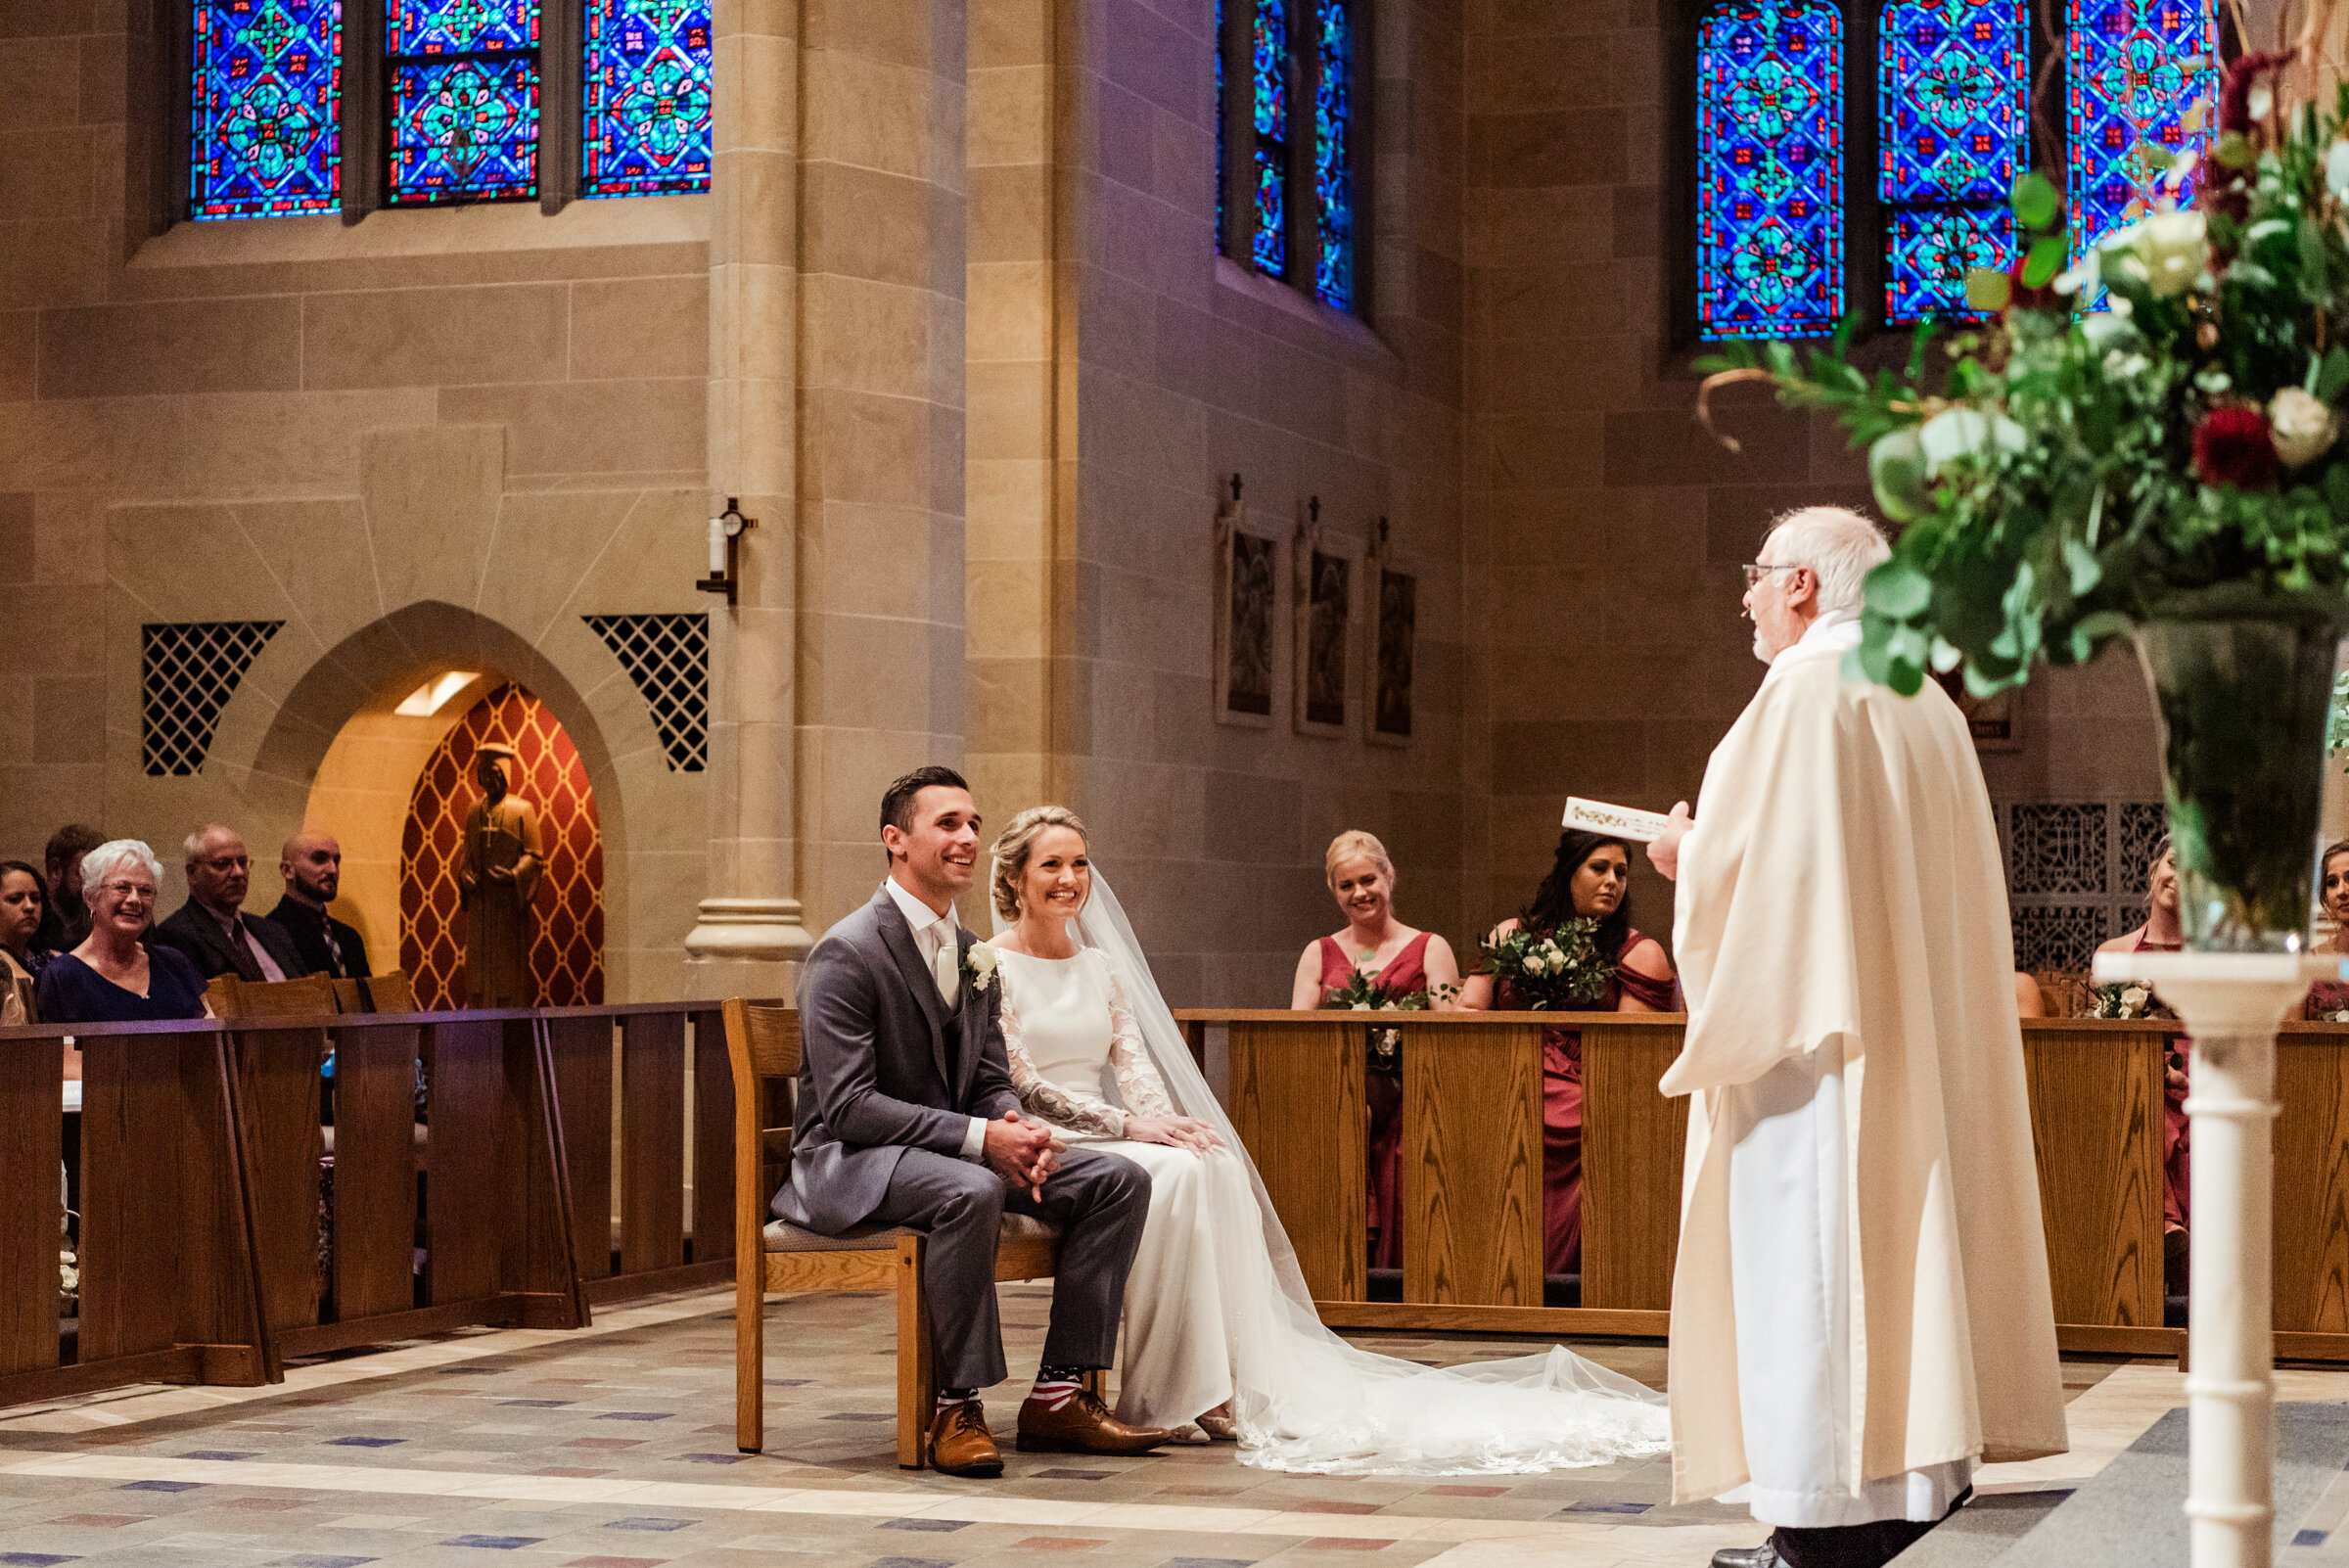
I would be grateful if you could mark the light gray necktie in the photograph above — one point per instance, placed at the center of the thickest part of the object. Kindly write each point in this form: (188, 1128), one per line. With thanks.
(944, 962)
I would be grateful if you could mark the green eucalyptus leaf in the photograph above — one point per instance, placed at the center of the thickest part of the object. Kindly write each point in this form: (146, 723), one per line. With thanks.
(2034, 200)
(2091, 632)
(2045, 261)
(1988, 290)
(1875, 653)
(2085, 570)
(2332, 379)
(1896, 466)
(1897, 591)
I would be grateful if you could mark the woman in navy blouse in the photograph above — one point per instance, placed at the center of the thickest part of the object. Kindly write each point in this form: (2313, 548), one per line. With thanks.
(114, 977)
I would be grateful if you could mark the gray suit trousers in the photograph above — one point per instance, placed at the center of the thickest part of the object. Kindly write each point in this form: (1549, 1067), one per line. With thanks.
(1098, 1200)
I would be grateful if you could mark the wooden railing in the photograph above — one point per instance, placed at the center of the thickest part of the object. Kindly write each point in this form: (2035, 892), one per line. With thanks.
(215, 1240)
(1471, 1204)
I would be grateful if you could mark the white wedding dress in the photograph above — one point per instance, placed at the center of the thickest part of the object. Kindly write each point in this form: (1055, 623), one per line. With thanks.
(1215, 1306)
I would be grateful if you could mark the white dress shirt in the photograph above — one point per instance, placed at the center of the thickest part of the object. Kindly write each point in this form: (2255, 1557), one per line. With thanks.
(934, 938)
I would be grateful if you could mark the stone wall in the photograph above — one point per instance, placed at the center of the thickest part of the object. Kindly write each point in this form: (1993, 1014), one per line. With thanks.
(190, 413)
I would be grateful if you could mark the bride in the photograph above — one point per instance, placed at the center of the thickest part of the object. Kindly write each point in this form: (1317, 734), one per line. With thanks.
(1220, 1329)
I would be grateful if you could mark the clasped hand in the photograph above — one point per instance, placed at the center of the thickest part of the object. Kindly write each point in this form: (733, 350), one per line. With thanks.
(1021, 1153)
(1181, 1131)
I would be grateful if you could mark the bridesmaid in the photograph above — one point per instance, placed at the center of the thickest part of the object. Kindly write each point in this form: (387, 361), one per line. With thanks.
(2164, 931)
(2328, 997)
(1402, 961)
(1591, 879)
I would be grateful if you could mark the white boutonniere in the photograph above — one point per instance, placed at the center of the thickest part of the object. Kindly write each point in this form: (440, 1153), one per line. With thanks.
(979, 966)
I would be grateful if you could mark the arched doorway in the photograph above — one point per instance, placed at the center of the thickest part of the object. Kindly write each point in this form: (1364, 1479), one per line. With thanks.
(567, 950)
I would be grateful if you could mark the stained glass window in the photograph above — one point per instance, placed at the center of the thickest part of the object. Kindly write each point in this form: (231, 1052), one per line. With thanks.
(2133, 67)
(1333, 174)
(464, 90)
(265, 92)
(1952, 85)
(1271, 57)
(647, 97)
(1770, 168)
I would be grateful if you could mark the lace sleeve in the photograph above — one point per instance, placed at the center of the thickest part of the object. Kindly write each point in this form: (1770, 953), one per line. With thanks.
(1138, 1083)
(1046, 1100)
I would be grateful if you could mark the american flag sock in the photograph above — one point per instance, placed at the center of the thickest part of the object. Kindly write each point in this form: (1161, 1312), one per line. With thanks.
(1055, 1386)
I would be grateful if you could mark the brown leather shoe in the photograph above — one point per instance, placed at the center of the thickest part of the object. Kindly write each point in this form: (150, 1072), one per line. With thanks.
(960, 1442)
(1083, 1425)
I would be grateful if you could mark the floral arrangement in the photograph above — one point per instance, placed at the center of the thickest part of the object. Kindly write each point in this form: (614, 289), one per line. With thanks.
(2141, 430)
(1362, 993)
(69, 1276)
(1550, 971)
(2126, 1000)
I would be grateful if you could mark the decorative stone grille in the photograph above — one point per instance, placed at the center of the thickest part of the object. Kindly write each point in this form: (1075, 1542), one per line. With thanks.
(2075, 875)
(667, 657)
(187, 670)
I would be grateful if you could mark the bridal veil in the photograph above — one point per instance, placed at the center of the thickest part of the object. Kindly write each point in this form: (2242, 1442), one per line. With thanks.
(1305, 1400)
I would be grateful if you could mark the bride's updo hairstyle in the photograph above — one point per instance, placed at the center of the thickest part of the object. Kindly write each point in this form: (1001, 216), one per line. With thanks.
(1352, 844)
(1012, 850)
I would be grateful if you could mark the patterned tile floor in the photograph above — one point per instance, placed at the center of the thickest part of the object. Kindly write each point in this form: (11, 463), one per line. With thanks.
(614, 1449)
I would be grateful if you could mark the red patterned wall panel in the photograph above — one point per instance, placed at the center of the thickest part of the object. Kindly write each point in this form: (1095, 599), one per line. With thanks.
(566, 949)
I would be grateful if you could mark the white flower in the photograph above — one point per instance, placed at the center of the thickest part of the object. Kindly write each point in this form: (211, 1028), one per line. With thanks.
(2167, 250)
(2133, 996)
(2301, 427)
(1363, 1007)
(981, 961)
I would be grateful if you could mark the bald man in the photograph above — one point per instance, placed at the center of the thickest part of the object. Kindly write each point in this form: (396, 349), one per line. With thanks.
(312, 865)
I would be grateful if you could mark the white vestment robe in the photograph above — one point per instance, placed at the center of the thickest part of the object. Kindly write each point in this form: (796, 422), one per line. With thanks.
(1859, 1307)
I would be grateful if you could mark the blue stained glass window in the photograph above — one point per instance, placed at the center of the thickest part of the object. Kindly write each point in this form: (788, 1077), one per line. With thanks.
(647, 98)
(464, 90)
(1951, 79)
(266, 90)
(1770, 161)
(1333, 175)
(2131, 69)
(1270, 53)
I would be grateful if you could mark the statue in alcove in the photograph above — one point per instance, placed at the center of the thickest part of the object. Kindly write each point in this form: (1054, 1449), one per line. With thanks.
(502, 863)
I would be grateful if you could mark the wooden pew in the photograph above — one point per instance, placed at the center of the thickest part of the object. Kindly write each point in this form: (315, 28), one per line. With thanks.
(1471, 1198)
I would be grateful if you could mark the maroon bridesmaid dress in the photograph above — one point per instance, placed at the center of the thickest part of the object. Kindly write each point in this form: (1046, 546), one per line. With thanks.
(2177, 1149)
(1405, 973)
(1562, 1107)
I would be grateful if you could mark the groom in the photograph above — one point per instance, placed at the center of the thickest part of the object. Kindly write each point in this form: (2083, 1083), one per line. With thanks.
(907, 1118)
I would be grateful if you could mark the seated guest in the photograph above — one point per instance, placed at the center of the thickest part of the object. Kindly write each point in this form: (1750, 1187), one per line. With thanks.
(1589, 879)
(67, 919)
(2029, 1001)
(2165, 932)
(23, 900)
(1400, 961)
(114, 976)
(211, 930)
(312, 865)
(2329, 1000)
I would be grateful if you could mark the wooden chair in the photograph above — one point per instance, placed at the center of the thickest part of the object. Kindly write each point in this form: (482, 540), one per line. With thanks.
(311, 996)
(390, 993)
(763, 1043)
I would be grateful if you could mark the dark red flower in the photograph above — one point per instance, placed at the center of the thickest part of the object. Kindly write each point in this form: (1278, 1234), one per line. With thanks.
(2234, 98)
(2232, 446)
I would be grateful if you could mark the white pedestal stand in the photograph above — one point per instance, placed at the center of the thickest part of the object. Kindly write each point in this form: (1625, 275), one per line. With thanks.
(2231, 1003)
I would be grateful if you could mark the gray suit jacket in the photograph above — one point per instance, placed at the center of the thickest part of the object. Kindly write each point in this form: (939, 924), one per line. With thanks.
(876, 1075)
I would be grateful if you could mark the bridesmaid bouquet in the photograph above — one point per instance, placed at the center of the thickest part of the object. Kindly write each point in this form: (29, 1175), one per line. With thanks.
(1364, 994)
(2122, 999)
(1550, 971)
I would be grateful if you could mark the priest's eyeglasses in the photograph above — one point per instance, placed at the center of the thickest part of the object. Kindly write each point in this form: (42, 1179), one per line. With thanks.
(1755, 572)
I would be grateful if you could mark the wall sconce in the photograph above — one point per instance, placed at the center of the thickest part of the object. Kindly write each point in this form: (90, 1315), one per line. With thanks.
(726, 551)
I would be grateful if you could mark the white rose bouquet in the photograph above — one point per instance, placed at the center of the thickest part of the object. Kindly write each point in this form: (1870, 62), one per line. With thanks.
(1560, 970)
(2128, 998)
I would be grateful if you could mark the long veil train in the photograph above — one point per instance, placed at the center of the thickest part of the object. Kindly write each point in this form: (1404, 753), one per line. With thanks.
(1305, 1400)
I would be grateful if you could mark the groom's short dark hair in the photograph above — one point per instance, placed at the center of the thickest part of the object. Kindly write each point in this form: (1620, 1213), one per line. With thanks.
(897, 806)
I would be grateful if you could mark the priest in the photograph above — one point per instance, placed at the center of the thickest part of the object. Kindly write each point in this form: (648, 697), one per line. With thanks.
(1860, 1308)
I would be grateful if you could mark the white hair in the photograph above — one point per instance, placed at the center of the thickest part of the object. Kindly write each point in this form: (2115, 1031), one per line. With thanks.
(1835, 542)
(110, 855)
(194, 844)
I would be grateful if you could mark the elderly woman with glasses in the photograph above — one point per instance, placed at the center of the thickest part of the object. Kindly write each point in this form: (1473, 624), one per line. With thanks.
(116, 975)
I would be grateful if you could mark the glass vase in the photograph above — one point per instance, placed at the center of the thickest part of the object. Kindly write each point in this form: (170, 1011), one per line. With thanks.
(2242, 705)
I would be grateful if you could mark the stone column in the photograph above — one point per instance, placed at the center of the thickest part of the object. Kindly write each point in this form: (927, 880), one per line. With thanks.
(880, 478)
(750, 933)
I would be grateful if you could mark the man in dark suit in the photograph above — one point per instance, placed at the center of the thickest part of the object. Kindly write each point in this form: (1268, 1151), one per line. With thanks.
(908, 1117)
(212, 928)
(312, 865)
